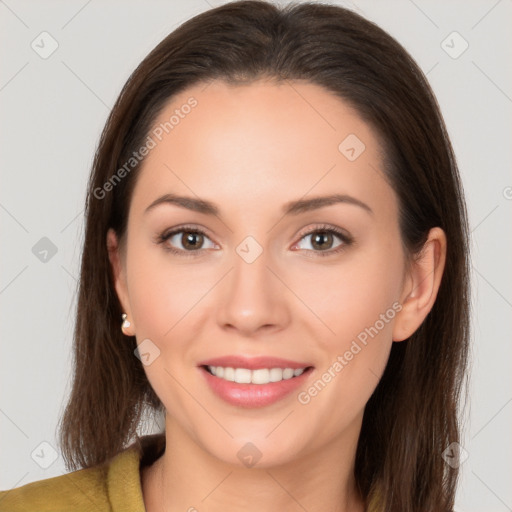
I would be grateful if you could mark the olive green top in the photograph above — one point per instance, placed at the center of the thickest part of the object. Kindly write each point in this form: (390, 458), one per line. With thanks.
(114, 486)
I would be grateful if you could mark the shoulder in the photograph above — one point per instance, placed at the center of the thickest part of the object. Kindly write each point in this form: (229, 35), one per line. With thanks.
(113, 486)
(82, 490)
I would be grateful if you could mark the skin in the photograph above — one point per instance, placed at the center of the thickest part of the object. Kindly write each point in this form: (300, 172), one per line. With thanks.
(250, 149)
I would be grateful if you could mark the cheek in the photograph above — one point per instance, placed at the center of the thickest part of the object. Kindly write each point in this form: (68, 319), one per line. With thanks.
(352, 296)
(359, 308)
(165, 299)
(163, 290)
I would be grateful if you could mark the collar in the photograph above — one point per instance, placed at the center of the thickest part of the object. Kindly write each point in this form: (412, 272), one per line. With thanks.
(124, 474)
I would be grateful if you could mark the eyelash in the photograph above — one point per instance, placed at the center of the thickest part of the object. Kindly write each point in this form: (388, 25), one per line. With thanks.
(347, 240)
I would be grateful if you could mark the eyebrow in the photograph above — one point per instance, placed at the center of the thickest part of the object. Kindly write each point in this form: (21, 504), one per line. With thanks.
(291, 208)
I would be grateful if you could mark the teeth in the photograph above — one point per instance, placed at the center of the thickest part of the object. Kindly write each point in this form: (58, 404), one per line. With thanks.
(260, 376)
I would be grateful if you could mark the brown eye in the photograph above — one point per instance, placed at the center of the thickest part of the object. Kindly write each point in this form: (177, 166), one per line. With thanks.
(323, 241)
(191, 240)
(185, 241)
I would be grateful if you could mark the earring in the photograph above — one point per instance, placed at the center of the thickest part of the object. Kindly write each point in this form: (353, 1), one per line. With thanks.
(126, 323)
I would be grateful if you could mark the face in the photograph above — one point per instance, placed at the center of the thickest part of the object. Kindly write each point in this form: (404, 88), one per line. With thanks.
(257, 278)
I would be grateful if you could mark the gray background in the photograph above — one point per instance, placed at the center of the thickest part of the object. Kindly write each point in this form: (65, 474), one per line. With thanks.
(52, 112)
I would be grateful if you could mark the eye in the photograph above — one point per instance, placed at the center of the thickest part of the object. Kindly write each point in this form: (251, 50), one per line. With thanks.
(191, 240)
(323, 238)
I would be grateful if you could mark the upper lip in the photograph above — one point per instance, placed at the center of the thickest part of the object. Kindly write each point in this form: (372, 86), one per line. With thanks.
(253, 363)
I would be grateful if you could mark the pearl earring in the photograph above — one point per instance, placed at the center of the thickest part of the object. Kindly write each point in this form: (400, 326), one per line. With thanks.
(126, 323)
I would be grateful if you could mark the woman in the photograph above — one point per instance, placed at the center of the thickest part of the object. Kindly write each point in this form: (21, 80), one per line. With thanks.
(275, 257)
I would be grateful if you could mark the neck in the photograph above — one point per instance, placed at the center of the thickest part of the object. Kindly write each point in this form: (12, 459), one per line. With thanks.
(187, 478)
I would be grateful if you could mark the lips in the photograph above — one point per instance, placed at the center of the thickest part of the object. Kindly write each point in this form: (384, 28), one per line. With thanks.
(231, 378)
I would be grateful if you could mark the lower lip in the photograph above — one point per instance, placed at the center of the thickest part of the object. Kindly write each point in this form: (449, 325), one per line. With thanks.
(253, 395)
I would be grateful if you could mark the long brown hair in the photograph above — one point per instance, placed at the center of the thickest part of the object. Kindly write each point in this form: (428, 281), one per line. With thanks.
(411, 418)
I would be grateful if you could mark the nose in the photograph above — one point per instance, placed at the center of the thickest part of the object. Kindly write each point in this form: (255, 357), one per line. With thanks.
(252, 297)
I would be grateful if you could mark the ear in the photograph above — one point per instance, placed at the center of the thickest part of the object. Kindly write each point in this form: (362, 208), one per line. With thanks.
(119, 274)
(421, 285)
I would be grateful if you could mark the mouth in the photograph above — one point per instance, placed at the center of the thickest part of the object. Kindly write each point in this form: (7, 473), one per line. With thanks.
(256, 382)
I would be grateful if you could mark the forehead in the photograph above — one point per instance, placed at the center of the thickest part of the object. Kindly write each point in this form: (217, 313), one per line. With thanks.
(260, 142)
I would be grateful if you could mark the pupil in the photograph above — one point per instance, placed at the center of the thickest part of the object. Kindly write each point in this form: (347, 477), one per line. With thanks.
(190, 239)
(320, 236)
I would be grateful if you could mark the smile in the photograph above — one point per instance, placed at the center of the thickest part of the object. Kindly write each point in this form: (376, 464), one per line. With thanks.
(254, 382)
(259, 376)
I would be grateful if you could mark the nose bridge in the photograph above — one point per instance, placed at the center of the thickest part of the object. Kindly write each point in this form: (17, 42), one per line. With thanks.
(253, 296)
(251, 278)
